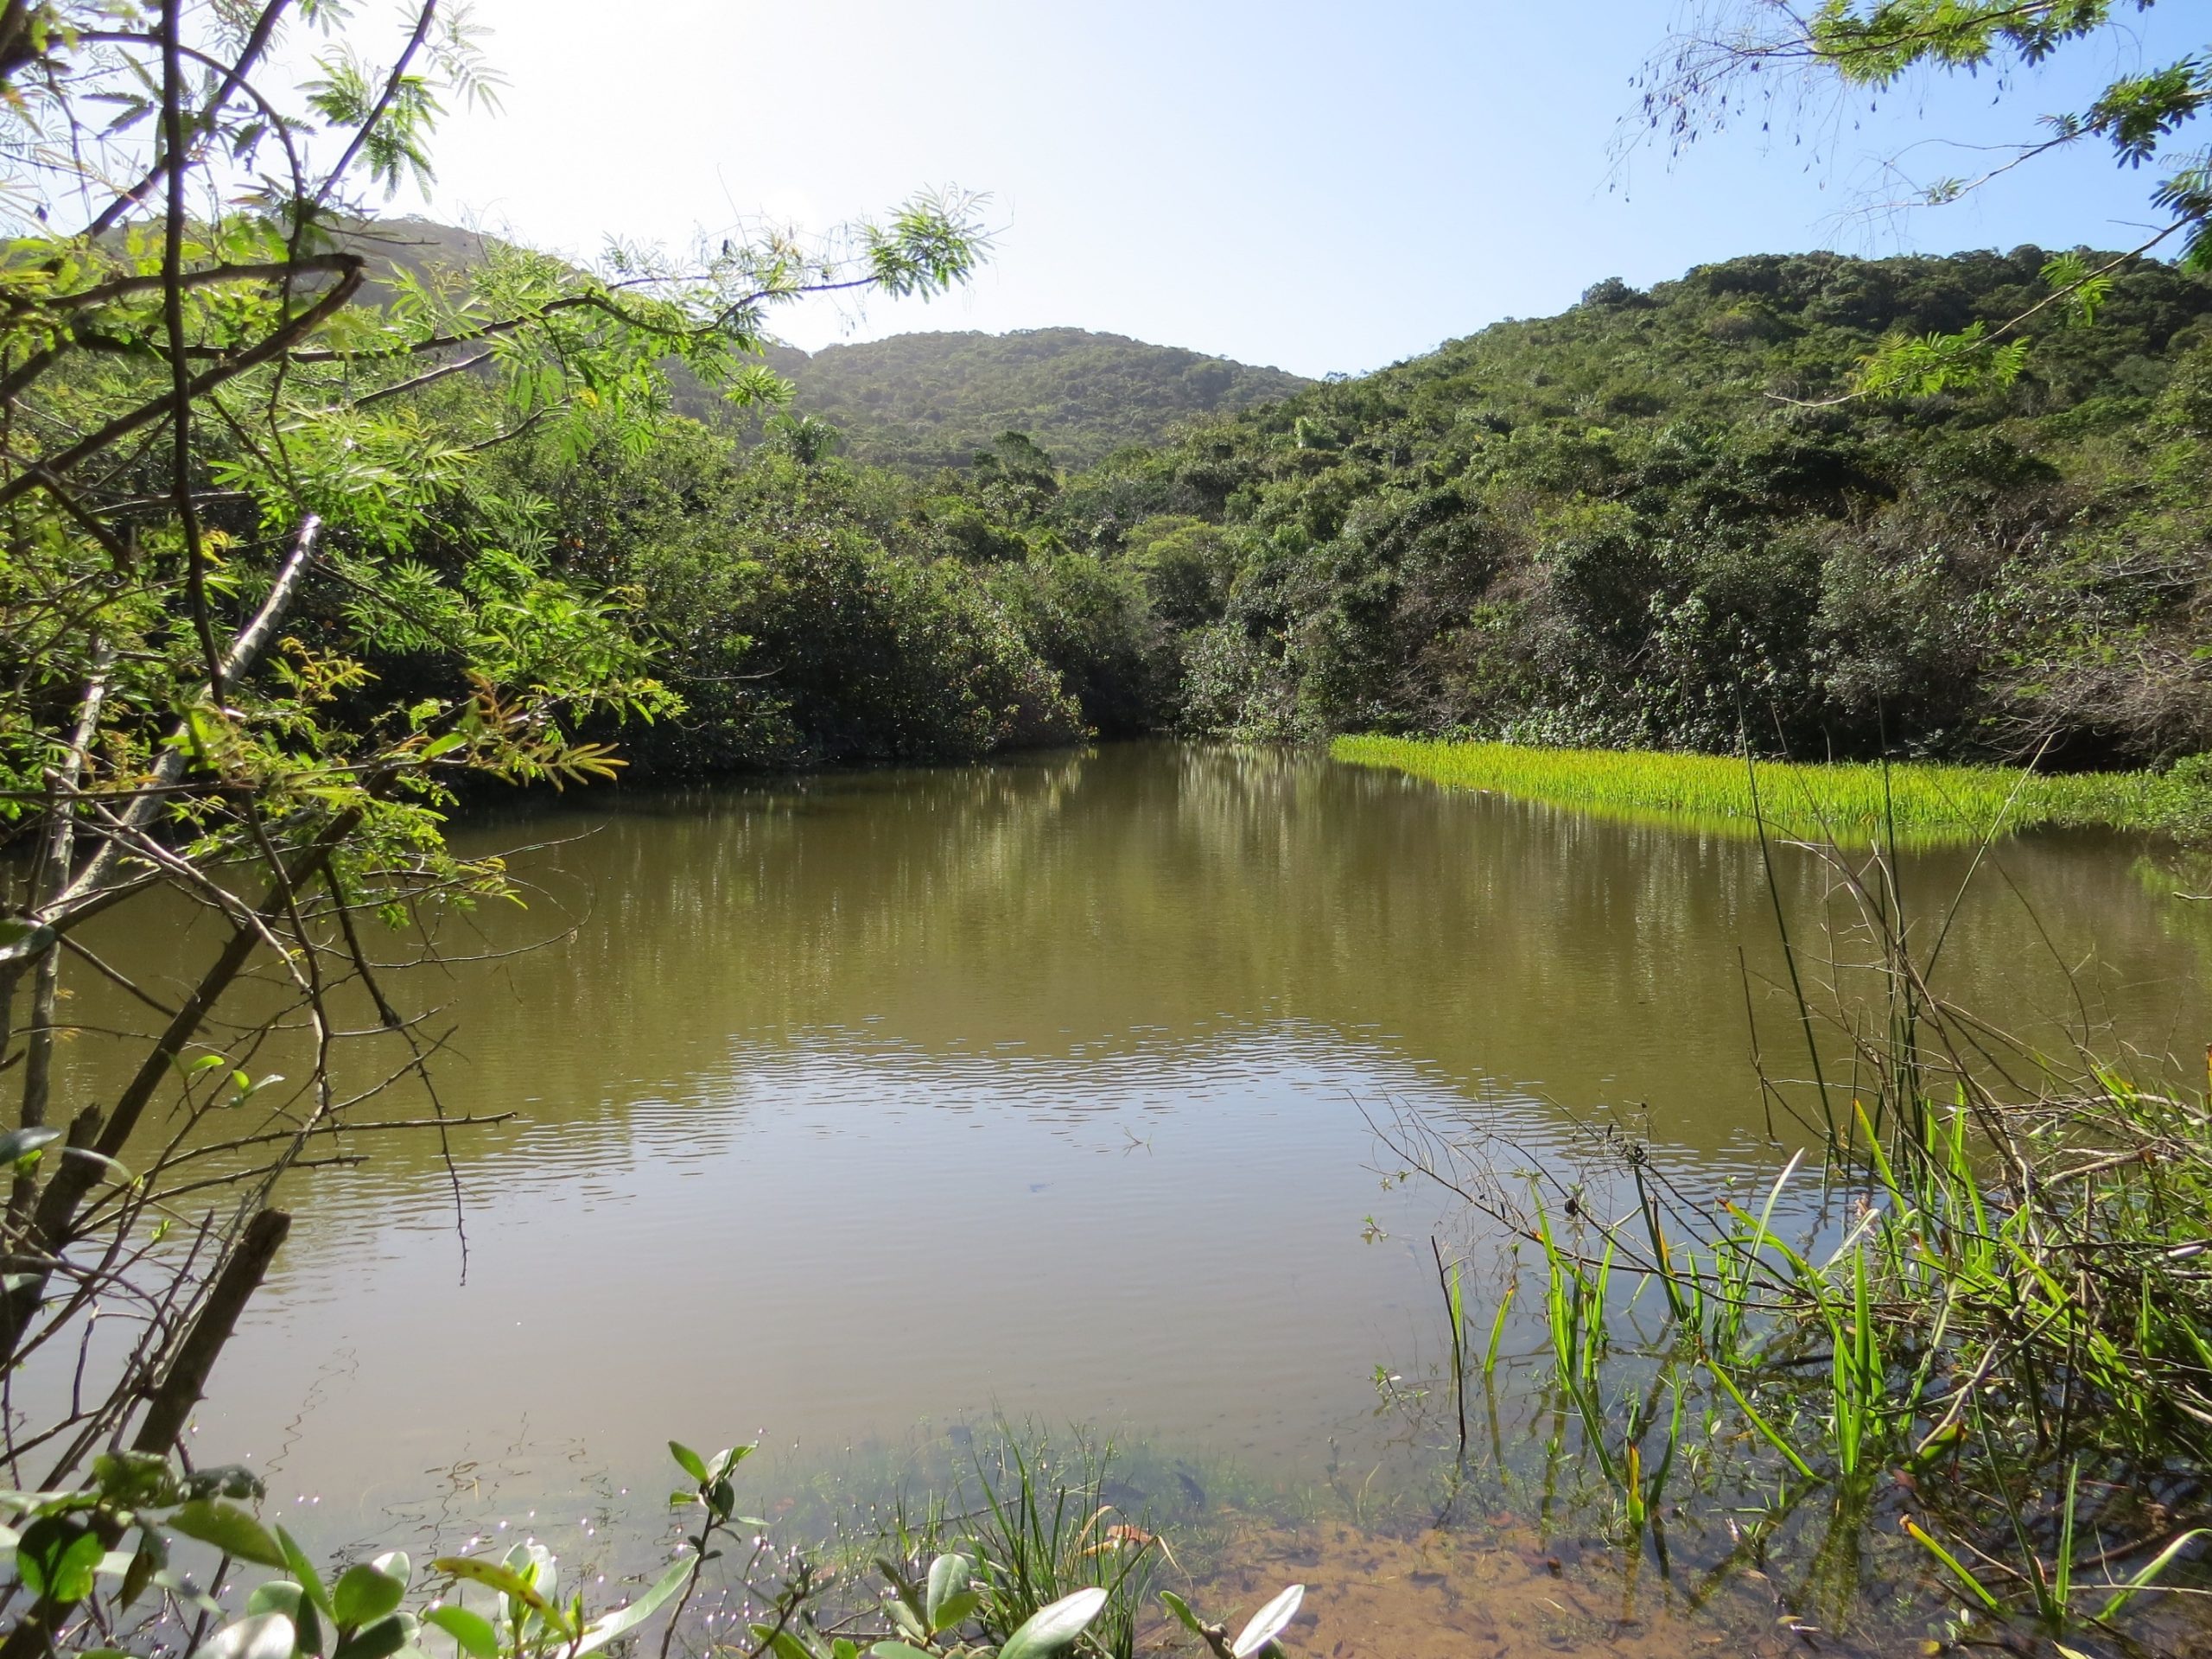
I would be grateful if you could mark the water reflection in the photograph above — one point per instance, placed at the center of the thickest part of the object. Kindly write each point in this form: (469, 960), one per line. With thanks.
(864, 1100)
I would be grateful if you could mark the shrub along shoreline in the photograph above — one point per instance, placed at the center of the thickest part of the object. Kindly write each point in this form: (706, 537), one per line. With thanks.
(1925, 801)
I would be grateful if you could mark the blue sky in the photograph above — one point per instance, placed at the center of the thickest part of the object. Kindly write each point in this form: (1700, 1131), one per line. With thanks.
(1320, 187)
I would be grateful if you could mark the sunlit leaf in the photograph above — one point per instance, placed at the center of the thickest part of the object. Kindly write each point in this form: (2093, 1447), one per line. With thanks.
(1267, 1624)
(20, 1143)
(57, 1557)
(363, 1595)
(1055, 1625)
(471, 1629)
(625, 1620)
(949, 1577)
(257, 1636)
(231, 1529)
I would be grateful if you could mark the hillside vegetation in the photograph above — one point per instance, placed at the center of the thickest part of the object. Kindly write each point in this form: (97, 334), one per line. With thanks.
(1650, 522)
(926, 401)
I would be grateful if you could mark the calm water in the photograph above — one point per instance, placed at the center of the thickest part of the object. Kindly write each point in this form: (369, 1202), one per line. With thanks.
(850, 1110)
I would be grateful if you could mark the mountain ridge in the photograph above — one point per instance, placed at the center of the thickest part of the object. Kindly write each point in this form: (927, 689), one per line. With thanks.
(931, 398)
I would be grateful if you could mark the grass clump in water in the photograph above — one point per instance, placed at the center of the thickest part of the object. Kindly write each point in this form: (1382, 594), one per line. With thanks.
(1919, 801)
(1964, 1336)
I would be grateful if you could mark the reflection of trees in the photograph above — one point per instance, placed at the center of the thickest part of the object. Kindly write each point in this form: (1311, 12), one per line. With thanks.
(1147, 897)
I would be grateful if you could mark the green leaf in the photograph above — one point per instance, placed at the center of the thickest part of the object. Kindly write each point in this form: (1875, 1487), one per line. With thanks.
(20, 1143)
(471, 1631)
(954, 1608)
(1055, 1625)
(508, 1582)
(282, 1596)
(151, 1556)
(363, 1595)
(23, 939)
(951, 1575)
(396, 1563)
(257, 1636)
(689, 1461)
(623, 1621)
(1919, 1535)
(898, 1651)
(782, 1643)
(503, 1579)
(132, 1480)
(297, 1563)
(910, 1593)
(58, 1557)
(380, 1640)
(1181, 1609)
(231, 1529)
(277, 1596)
(534, 1563)
(907, 1619)
(1267, 1624)
(2149, 1575)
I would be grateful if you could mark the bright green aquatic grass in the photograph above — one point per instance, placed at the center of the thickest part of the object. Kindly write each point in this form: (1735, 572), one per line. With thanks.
(1840, 799)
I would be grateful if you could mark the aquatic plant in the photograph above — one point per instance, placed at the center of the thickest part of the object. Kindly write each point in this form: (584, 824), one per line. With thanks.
(68, 1552)
(1973, 1320)
(1037, 1529)
(91, 1593)
(1909, 802)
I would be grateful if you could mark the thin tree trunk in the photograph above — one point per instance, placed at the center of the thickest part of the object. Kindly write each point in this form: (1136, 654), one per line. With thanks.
(53, 879)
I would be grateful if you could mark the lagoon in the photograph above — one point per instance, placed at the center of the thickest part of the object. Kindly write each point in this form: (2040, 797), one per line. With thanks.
(854, 1111)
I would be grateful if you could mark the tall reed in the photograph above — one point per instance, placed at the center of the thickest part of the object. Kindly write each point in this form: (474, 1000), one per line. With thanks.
(1978, 1317)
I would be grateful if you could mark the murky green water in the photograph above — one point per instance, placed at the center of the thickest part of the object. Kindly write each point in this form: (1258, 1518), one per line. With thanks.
(851, 1110)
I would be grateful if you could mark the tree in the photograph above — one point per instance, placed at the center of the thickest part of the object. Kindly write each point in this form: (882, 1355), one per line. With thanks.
(807, 438)
(1738, 56)
(218, 459)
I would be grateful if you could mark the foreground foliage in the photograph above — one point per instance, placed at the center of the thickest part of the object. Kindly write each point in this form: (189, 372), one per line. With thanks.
(1730, 58)
(996, 1598)
(265, 603)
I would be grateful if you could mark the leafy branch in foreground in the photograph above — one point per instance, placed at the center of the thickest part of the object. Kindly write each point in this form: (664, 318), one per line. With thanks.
(263, 606)
(111, 1555)
(1734, 61)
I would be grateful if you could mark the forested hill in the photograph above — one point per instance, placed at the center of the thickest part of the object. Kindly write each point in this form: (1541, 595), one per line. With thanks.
(922, 401)
(1655, 519)
(919, 402)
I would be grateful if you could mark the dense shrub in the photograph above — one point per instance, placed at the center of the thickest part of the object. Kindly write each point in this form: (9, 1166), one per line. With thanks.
(1650, 521)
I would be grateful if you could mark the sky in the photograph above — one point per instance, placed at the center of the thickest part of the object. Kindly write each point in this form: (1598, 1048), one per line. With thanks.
(1317, 187)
